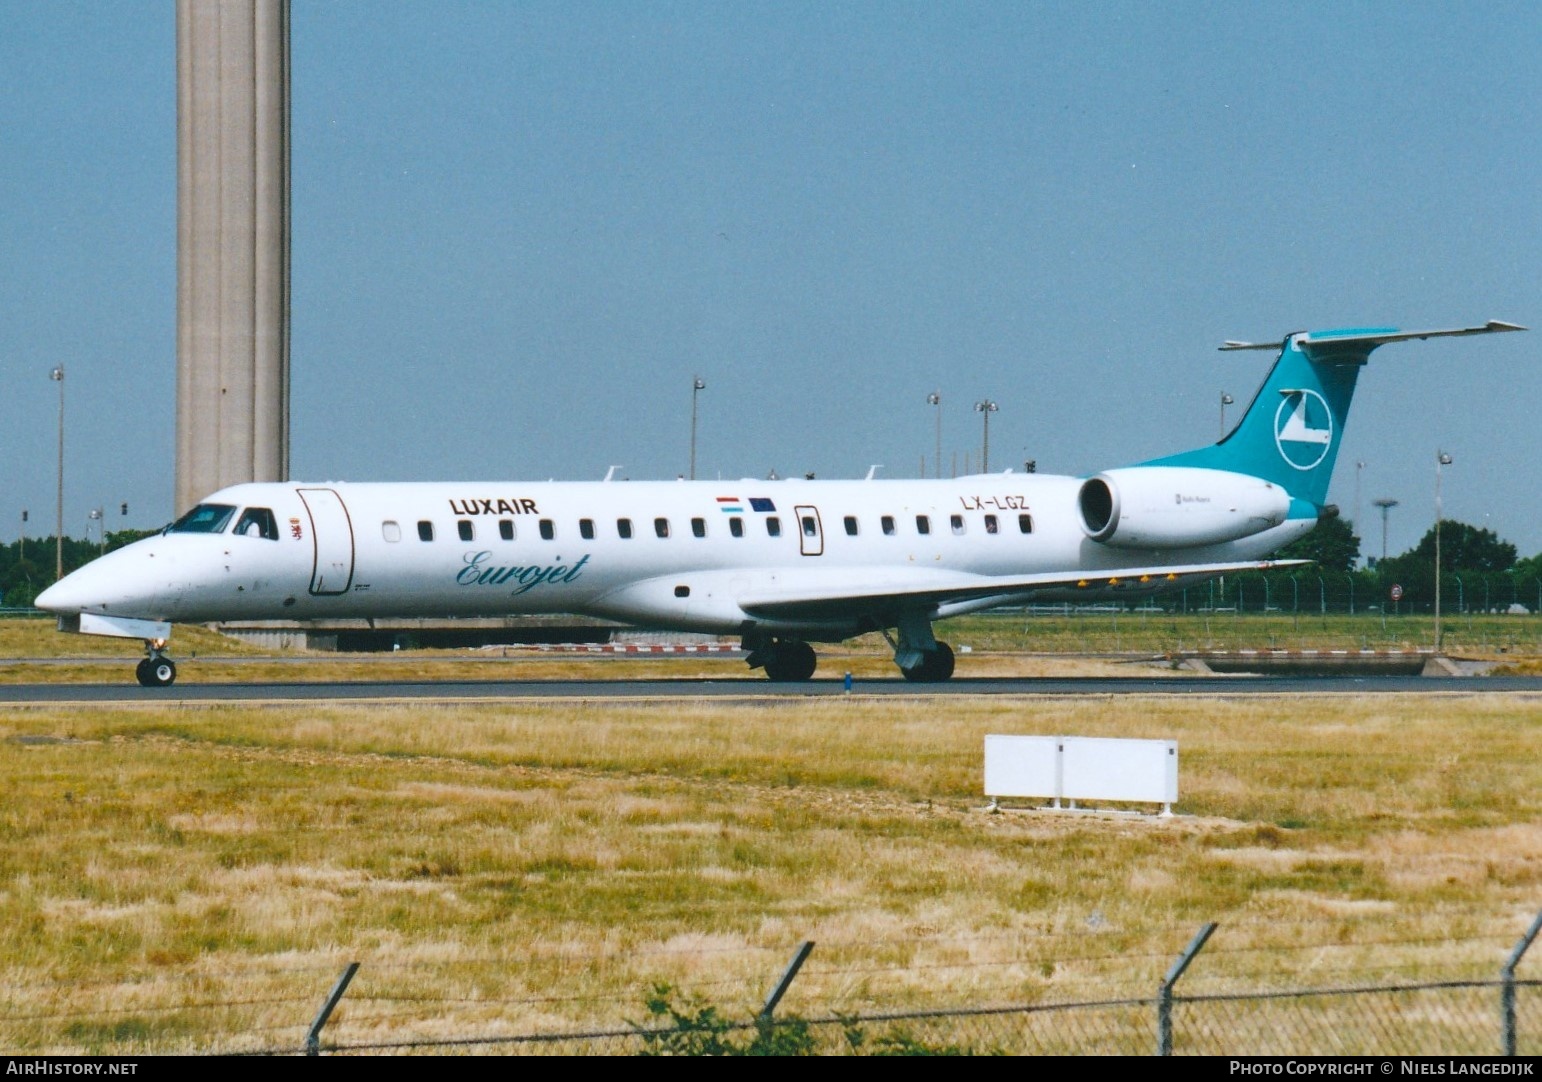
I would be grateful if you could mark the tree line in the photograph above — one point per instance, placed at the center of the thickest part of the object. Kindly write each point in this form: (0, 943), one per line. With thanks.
(1479, 572)
(27, 566)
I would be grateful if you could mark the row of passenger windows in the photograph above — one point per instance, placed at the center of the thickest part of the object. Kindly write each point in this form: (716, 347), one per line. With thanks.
(465, 528)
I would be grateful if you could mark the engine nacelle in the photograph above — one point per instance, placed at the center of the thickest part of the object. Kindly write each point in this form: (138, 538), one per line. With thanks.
(1177, 507)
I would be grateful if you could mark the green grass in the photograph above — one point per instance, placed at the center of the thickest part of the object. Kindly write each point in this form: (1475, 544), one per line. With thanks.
(1151, 631)
(194, 877)
(991, 644)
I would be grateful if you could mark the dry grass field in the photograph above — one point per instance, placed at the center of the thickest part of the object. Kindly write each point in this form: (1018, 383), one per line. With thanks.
(194, 877)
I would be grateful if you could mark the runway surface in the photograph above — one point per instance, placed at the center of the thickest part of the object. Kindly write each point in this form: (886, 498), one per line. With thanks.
(664, 688)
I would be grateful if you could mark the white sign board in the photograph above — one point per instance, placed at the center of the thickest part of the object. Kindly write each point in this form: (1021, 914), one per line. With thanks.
(1082, 768)
(1105, 768)
(1022, 766)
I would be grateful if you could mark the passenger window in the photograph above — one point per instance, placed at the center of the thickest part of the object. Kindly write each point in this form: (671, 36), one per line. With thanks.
(257, 522)
(773, 526)
(586, 529)
(661, 527)
(851, 525)
(990, 523)
(887, 523)
(548, 531)
(698, 527)
(624, 528)
(391, 531)
(923, 524)
(957, 522)
(506, 529)
(810, 527)
(736, 527)
(463, 527)
(1025, 523)
(425, 530)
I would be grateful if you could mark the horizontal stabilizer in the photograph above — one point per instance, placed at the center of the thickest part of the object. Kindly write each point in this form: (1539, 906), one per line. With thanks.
(1370, 339)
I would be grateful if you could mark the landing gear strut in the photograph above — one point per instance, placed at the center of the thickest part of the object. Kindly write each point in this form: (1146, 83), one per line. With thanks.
(785, 660)
(157, 670)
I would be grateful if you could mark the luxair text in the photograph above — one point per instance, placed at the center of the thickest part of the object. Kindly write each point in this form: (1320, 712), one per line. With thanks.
(478, 506)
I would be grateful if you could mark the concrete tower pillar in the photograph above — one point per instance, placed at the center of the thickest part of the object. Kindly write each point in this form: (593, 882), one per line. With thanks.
(232, 244)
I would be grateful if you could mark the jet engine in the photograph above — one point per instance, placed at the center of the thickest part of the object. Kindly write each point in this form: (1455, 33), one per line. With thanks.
(1177, 507)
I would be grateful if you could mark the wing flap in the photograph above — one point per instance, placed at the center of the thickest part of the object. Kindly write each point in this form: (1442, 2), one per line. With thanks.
(841, 600)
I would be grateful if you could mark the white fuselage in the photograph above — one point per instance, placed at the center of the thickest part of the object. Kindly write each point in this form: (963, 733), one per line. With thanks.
(694, 556)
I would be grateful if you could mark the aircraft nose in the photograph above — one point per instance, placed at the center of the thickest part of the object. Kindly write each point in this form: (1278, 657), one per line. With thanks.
(108, 583)
(71, 594)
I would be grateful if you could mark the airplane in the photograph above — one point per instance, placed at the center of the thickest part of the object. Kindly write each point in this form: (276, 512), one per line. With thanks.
(781, 564)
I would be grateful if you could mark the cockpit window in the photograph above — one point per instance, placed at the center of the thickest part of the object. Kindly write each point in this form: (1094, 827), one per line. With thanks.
(205, 518)
(257, 522)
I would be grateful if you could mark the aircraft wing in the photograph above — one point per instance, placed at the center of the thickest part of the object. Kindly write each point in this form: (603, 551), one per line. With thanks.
(837, 598)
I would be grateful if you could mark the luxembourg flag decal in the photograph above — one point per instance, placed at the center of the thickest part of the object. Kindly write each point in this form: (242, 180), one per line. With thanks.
(730, 505)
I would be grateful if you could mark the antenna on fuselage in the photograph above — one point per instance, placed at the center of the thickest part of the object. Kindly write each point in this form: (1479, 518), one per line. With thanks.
(611, 473)
(872, 471)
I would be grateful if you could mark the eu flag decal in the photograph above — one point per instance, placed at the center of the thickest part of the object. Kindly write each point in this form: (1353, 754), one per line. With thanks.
(760, 503)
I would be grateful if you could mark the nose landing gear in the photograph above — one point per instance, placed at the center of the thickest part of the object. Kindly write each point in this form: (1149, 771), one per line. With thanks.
(157, 670)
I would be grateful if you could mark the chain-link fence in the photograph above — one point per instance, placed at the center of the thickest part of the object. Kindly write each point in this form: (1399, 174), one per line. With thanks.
(1449, 1019)
(1496, 1017)
(1463, 996)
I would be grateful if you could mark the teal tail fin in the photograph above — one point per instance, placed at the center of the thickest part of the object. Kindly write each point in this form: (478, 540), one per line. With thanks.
(1291, 431)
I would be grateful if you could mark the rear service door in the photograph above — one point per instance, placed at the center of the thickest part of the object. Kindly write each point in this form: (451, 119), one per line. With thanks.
(332, 536)
(811, 535)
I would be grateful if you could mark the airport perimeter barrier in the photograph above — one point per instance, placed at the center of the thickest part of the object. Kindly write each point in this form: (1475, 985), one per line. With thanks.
(1498, 1016)
(1453, 1018)
(1321, 592)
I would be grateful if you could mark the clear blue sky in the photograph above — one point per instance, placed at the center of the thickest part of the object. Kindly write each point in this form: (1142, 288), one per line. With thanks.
(520, 229)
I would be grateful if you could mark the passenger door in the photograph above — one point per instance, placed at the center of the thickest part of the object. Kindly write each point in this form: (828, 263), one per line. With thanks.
(332, 539)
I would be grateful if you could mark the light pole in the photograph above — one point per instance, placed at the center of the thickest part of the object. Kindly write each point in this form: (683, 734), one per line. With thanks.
(1441, 458)
(57, 375)
(22, 544)
(1358, 467)
(1226, 400)
(985, 407)
(935, 399)
(697, 386)
(1386, 505)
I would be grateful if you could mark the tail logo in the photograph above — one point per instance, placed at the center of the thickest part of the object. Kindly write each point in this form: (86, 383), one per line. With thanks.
(1303, 429)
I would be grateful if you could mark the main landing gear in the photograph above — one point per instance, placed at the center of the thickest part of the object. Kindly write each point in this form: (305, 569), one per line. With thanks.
(921, 658)
(934, 667)
(157, 670)
(785, 660)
